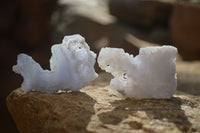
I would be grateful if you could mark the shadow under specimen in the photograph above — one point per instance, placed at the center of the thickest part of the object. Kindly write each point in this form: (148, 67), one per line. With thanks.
(155, 110)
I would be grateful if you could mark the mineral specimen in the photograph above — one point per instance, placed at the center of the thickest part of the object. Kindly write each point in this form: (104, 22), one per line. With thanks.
(151, 74)
(72, 67)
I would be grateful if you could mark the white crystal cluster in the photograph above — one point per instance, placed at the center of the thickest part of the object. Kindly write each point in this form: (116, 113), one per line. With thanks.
(72, 67)
(151, 74)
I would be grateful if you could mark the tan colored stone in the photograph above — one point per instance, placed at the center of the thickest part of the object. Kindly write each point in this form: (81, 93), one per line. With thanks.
(189, 77)
(93, 109)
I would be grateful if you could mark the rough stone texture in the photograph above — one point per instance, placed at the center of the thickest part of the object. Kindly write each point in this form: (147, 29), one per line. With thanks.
(185, 30)
(93, 109)
(142, 12)
(189, 77)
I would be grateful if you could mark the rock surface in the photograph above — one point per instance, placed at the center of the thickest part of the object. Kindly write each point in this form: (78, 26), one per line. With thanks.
(93, 109)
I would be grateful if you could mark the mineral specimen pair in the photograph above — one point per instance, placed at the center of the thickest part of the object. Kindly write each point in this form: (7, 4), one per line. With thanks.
(151, 74)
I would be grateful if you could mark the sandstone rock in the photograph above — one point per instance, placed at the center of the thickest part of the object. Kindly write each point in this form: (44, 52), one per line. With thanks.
(144, 13)
(185, 30)
(93, 109)
(189, 77)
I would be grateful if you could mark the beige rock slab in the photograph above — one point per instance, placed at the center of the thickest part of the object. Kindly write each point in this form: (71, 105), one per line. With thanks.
(93, 109)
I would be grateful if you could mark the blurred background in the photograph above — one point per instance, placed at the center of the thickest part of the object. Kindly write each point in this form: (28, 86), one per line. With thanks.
(33, 26)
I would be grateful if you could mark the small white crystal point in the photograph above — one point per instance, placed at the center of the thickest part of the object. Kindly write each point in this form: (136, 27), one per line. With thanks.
(151, 74)
(71, 64)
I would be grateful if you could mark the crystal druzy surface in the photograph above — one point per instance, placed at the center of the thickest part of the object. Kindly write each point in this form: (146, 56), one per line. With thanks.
(71, 64)
(151, 74)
